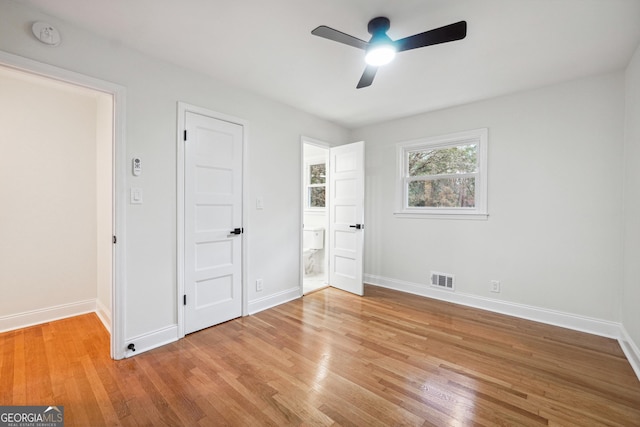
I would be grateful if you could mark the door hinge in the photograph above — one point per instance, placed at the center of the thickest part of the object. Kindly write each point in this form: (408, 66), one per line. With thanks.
(184, 299)
(185, 134)
(114, 240)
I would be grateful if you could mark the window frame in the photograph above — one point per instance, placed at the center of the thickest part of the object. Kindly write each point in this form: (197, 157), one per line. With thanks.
(478, 137)
(307, 184)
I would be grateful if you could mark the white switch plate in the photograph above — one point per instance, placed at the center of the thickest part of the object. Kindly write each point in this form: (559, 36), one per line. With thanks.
(259, 203)
(136, 196)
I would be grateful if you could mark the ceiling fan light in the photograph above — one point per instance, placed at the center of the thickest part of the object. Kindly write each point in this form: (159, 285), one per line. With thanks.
(380, 55)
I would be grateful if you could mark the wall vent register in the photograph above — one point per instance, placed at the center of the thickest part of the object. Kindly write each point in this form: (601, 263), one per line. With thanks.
(442, 280)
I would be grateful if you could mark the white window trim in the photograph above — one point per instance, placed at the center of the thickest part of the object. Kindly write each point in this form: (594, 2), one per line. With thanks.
(307, 173)
(476, 136)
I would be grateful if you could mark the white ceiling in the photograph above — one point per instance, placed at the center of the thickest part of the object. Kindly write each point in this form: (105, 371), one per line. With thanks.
(267, 46)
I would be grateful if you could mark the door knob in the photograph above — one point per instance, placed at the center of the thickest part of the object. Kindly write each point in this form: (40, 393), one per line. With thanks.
(357, 226)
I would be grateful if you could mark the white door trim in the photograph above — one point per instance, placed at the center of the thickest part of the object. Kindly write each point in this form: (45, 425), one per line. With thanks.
(183, 108)
(118, 301)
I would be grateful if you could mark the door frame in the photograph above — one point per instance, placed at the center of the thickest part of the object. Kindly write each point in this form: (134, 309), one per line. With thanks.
(326, 145)
(182, 109)
(119, 171)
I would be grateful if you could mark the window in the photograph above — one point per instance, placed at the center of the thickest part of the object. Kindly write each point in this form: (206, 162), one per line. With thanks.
(445, 176)
(316, 178)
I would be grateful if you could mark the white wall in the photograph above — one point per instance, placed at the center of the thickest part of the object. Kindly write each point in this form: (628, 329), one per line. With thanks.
(153, 89)
(554, 234)
(631, 291)
(48, 193)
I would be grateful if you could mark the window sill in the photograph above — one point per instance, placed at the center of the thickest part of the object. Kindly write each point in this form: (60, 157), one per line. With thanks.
(435, 215)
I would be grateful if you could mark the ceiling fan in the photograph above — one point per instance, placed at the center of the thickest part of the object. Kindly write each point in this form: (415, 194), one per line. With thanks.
(381, 50)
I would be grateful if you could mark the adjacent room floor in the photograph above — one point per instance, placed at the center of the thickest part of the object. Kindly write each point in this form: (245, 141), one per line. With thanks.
(313, 282)
(331, 358)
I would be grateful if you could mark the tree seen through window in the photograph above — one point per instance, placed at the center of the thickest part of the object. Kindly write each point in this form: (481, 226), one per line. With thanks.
(439, 177)
(317, 184)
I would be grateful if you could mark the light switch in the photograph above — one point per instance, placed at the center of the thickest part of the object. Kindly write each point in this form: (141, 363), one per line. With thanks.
(259, 203)
(136, 196)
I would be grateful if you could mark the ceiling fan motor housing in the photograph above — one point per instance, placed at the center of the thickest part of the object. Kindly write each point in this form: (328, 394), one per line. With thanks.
(378, 25)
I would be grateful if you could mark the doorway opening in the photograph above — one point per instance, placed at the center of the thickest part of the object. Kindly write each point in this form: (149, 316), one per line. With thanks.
(58, 165)
(315, 219)
(332, 211)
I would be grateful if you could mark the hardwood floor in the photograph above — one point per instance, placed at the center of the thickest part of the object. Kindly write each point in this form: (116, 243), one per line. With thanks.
(330, 359)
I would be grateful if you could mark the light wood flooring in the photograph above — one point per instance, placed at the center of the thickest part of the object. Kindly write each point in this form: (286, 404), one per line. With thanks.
(330, 358)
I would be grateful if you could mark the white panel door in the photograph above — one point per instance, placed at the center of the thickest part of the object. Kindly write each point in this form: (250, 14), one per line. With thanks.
(346, 217)
(213, 213)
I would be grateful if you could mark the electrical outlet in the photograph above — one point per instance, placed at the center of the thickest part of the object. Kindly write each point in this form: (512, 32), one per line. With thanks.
(495, 286)
(258, 285)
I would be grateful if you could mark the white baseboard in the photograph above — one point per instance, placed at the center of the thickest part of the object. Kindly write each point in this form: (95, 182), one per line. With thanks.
(104, 314)
(44, 315)
(631, 350)
(590, 325)
(151, 340)
(264, 303)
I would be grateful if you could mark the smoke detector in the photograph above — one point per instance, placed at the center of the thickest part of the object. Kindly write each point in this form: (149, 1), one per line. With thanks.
(46, 33)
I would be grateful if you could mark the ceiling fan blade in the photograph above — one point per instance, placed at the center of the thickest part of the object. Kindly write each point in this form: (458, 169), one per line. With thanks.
(445, 34)
(367, 76)
(339, 36)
